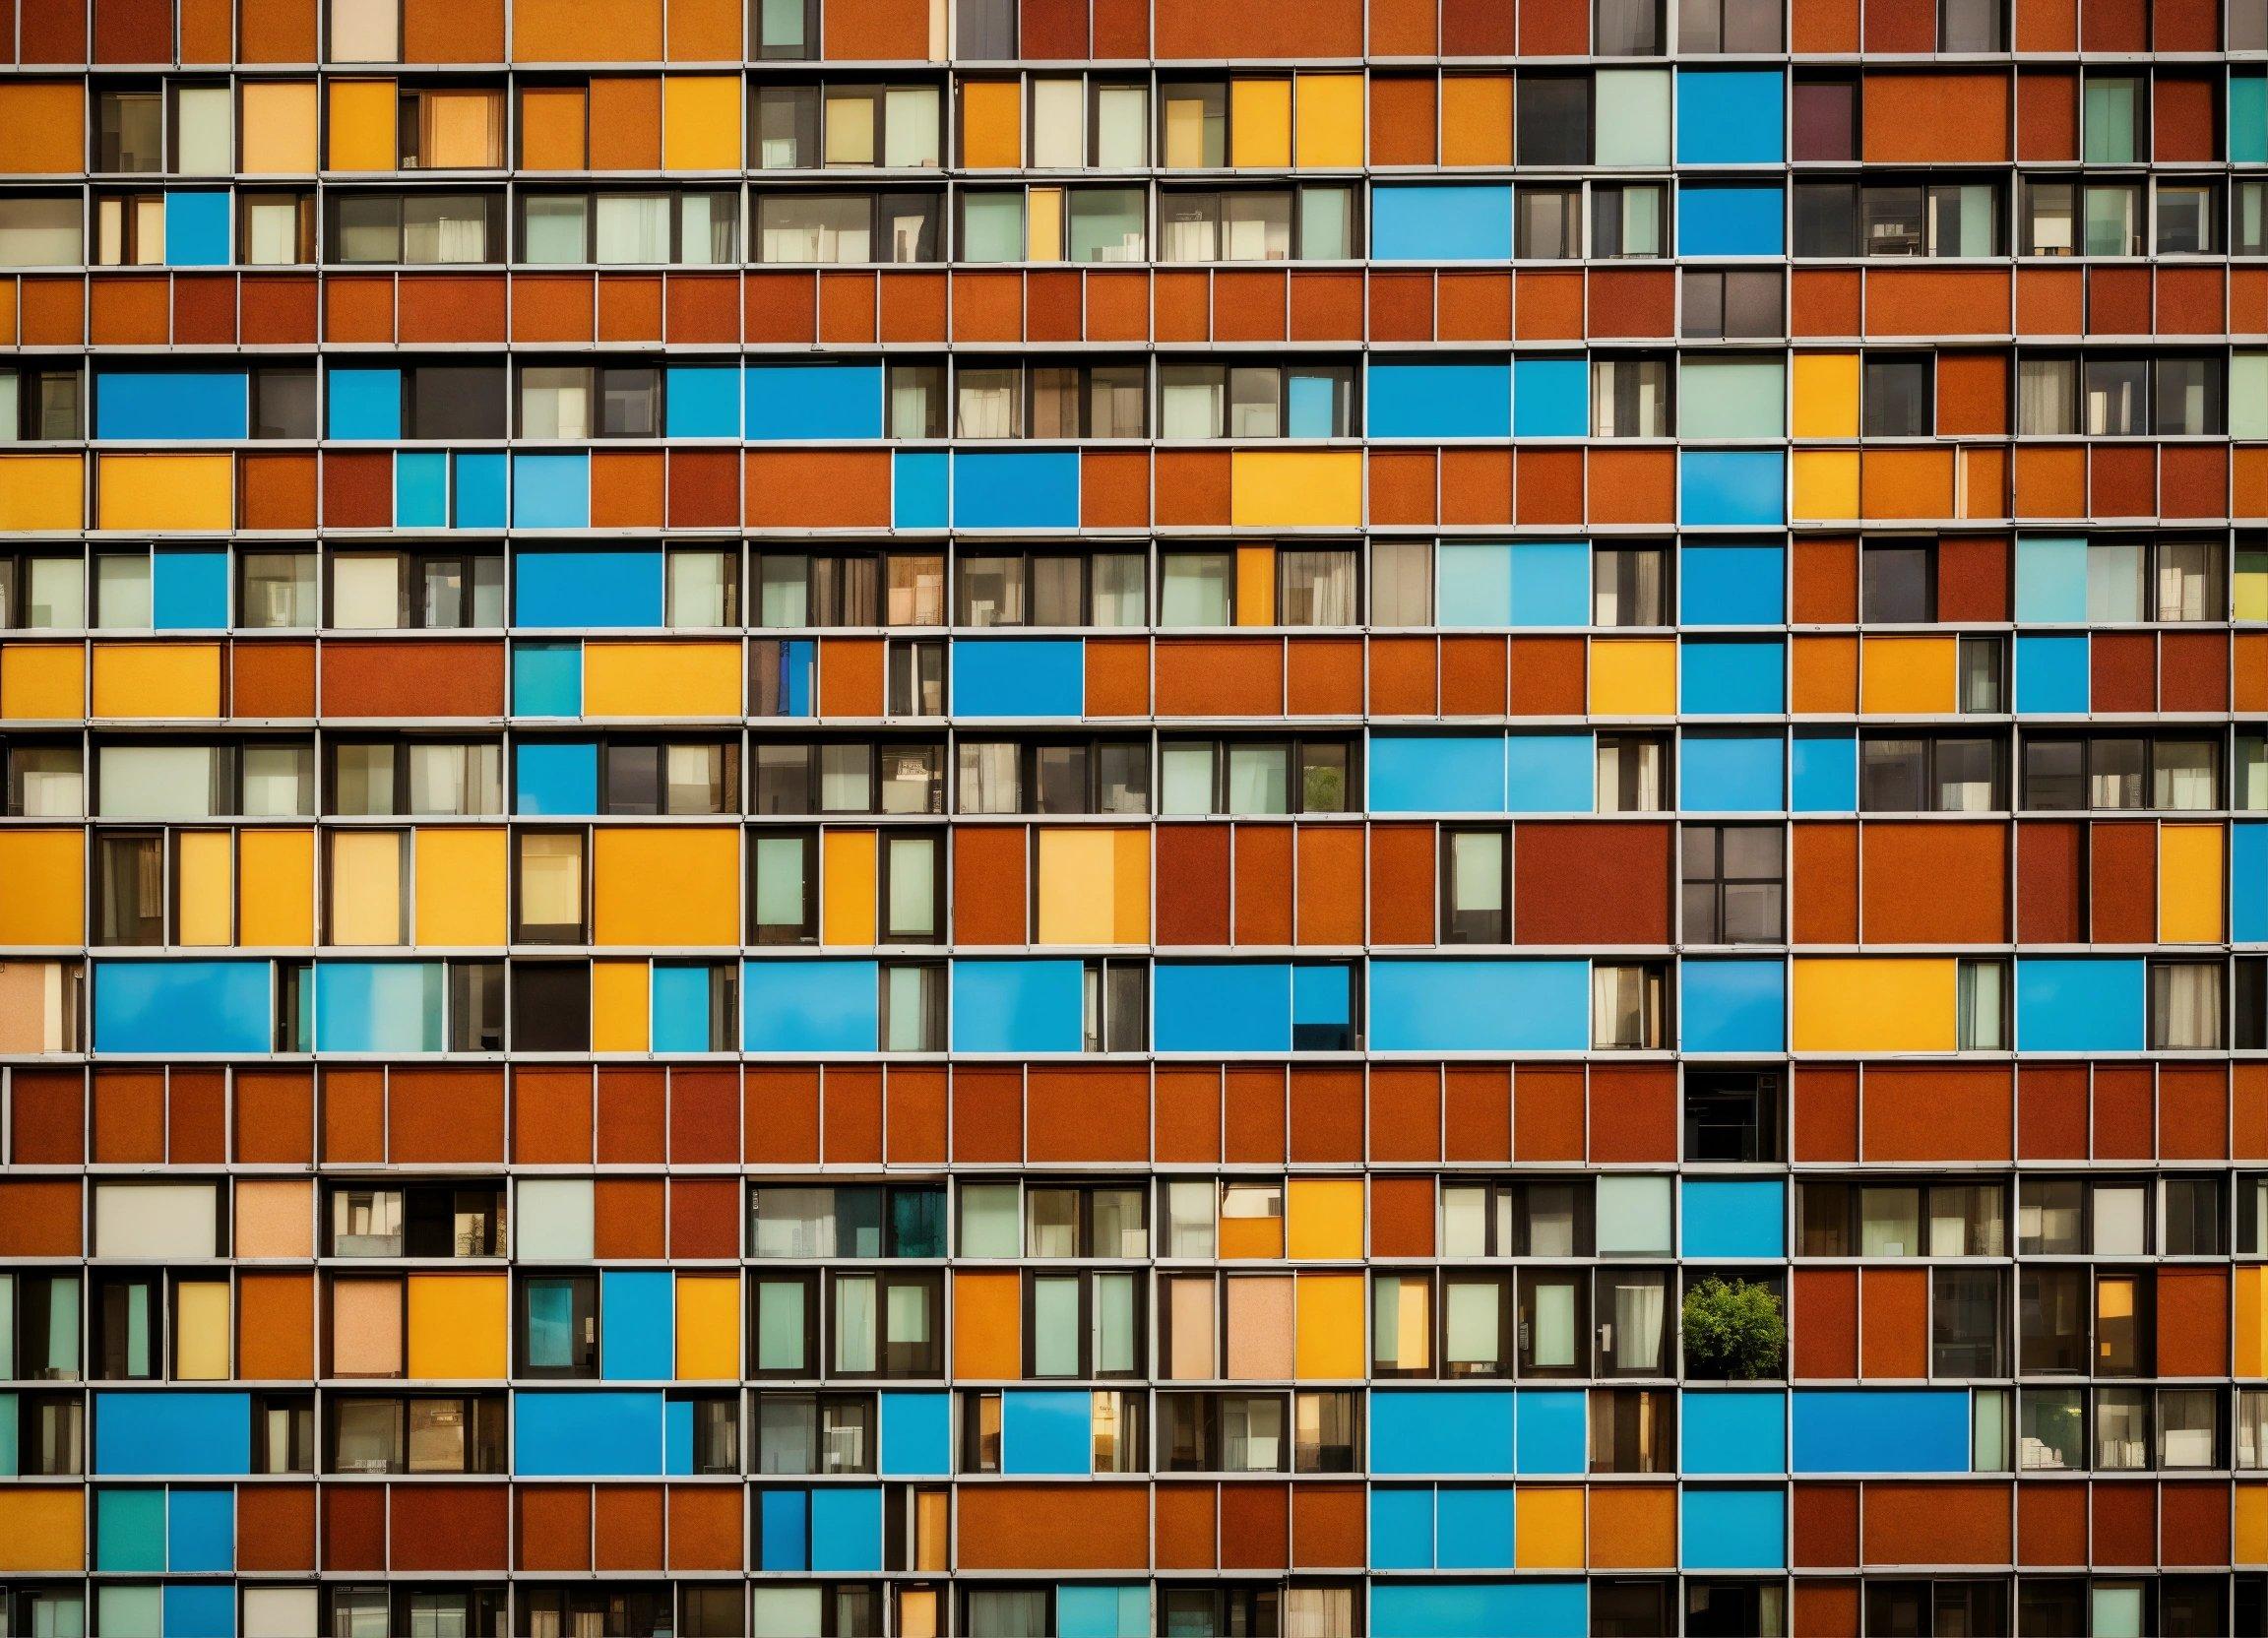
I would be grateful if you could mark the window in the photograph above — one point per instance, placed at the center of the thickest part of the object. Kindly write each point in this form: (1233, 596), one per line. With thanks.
(458, 128)
(1732, 304)
(1115, 1003)
(2120, 771)
(1037, 401)
(1629, 28)
(1733, 882)
(1891, 1219)
(786, 30)
(1966, 1337)
(550, 901)
(1630, 398)
(416, 228)
(913, 1006)
(1631, 586)
(130, 229)
(129, 131)
(1732, 1115)
(2188, 218)
(1548, 223)
(1401, 583)
(1896, 396)
(1633, 773)
(2046, 396)
(814, 1434)
(1305, 223)
(559, 1325)
(1974, 26)
(1898, 582)
(1633, 1430)
(1826, 112)
(1841, 219)
(851, 228)
(1255, 777)
(885, 1325)
(2114, 119)
(1255, 401)
(40, 406)
(2185, 1005)
(849, 589)
(40, 230)
(1929, 774)
(1628, 1005)
(275, 229)
(391, 590)
(1054, 224)
(418, 1220)
(1980, 997)
(695, 228)
(1476, 886)
(1552, 119)
(1052, 589)
(1729, 26)
(1038, 777)
(984, 30)
(856, 777)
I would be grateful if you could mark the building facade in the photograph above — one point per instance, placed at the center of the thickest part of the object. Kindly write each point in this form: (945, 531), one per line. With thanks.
(1102, 817)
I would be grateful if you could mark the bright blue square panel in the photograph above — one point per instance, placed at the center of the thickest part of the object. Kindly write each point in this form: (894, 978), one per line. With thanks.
(1441, 223)
(1730, 773)
(1733, 1006)
(1729, 117)
(1423, 398)
(1019, 677)
(2079, 1004)
(824, 1005)
(1734, 1217)
(1731, 218)
(2052, 673)
(1233, 1006)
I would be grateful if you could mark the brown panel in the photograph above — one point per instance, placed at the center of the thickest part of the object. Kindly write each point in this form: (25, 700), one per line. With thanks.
(276, 1326)
(1933, 117)
(1826, 1111)
(1329, 882)
(2052, 882)
(416, 678)
(1051, 306)
(1547, 676)
(1259, 28)
(1401, 306)
(449, 1526)
(48, 1117)
(40, 1217)
(1939, 1112)
(354, 1110)
(995, 854)
(129, 1116)
(1402, 884)
(1326, 1116)
(279, 309)
(1971, 302)
(2050, 1524)
(2123, 483)
(2248, 1111)
(1632, 485)
(704, 1528)
(817, 488)
(1554, 28)
(1188, 1530)
(2192, 1321)
(876, 29)
(1823, 1322)
(276, 1527)
(454, 31)
(129, 310)
(197, 1117)
(53, 32)
(1550, 308)
(1547, 1113)
(555, 1527)
(1327, 1527)
(2047, 108)
(1936, 1524)
(1476, 488)
(274, 1116)
(1634, 1113)
(2126, 881)
(1192, 877)
(1934, 884)
(1323, 676)
(448, 307)
(52, 312)
(279, 492)
(2195, 1524)
(915, 1105)
(1188, 1116)
(272, 679)
(2125, 1519)
(204, 310)
(1476, 1113)
(2193, 670)
(359, 493)
(1325, 307)
(2192, 1111)
(780, 1116)
(1247, 307)
(1117, 676)
(704, 1116)
(1826, 580)
(1548, 488)
(2184, 129)
(1475, 306)
(2123, 1125)
(1900, 25)
(627, 1527)
(1405, 1125)
(1192, 488)
(702, 307)
(2193, 301)
(630, 1217)
(1114, 488)
(1825, 880)
(1972, 578)
(630, 488)
(1087, 1114)
(1624, 302)
(1824, 301)
(1054, 1526)
(633, 1114)
(1230, 676)
(2118, 303)
(1402, 117)
(704, 488)
(1052, 30)
(445, 1116)
(850, 1115)
(778, 307)
(1826, 1520)
(353, 1527)
(1402, 680)
(551, 1116)
(1252, 1116)
(913, 306)
(1477, 29)
(988, 1114)
(1591, 883)
(207, 31)
(1255, 1527)
(1474, 676)
(1894, 1322)
(2051, 1112)
(704, 1217)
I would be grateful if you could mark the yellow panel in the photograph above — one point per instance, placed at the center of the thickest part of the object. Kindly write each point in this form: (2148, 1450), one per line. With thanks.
(1330, 115)
(701, 122)
(1043, 224)
(1322, 1219)
(204, 888)
(1548, 1529)
(2252, 1351)
(2251, 1543)
(1133, 885)
(2250, 596)
(1244, 1238)
(44, 681)
(1826, 483)
(362, 118)
(42, 887)
(1260, 122)
(461, 876)
(276, 128)
(277, 887)
(1276, 488)
(1874, 1004)
(1908, 676)
(157, 679)
(707, 1327)
(165, 492)
(847, 894)
(458, 1327)
(992, 124)
(703, 870)
(1328, 1329)
(1826, 394)
(1078, 893)
(1255, 586)
(201, 1330)
(43, 1530)
(1634, 676)
(621, 1006)
(41, 492)
(366, 887)
(988, 1325)
(662, 679)
(2189, 876)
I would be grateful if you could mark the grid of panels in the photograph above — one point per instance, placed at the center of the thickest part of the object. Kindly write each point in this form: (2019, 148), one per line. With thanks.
(1101, 816)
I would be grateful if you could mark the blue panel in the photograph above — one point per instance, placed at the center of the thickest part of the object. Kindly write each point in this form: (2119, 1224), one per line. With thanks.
(188, 589)
(703, 402)
(570, 588)
(1428, 1431)
(420, 488)
(1731, 677)
(1735, 1217)
(1729, 219)
(163, 1432)
(916, 1434)
(2079, 1004)
(363, 402)
(378, 1006)
(1734, 1432)
(1863, 1430)
(808, 401)
(1016, 489)
(130, 1530)
(1549, 772)
(1019, 677)
(1322, 1003)
(2247, 118)
(1435, 773)
(919, 490)
(197, 230)
(847, 1529)
(1551, 583)
(1046, 1432)
(1479, 1006)
(1732, 486)
(200, 1610)
(1826, 771)
(553, 492)
(200, 1532)
(677, 1435)
(1551, 398)
(1552, 1431)
(1087, 1610)
(679, 1018)
(1474, 1529)
(1223, 1006)
(1451, 223)
(637, 1325)
(1729, 117)
(2249, 882)
(1413, 399)
(1019, 1006)
(595, 1431)
(784, 1530)
(1733, 1006)
(1402, 1527)
(1730, 773)
(1311, 406)
(1731, 585)
(157, 404)
(552, 776)
(547, 679)
(182, 1006)
(2052, 673)
(1478, 1610)
(479, 500)
(1734, 1530)
(809, 1006)
(9, 1455)
(2051, 580)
